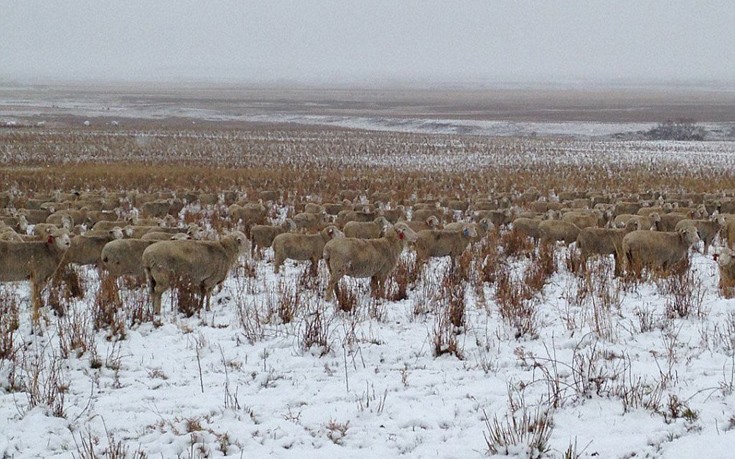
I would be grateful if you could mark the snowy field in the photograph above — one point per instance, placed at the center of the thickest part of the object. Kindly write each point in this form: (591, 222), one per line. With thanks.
(595, 367)
(614, 374)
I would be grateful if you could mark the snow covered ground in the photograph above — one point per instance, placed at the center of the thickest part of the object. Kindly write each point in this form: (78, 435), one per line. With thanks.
(231, 383)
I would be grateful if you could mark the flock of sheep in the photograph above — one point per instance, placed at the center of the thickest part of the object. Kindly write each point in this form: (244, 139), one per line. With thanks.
(144, 236)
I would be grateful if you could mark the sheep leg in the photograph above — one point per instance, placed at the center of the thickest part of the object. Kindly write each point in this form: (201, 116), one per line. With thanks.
(35, 302)
(377, 283)
(314, 266)
(618, 271)
(277, 262)
(203, 297)
(332, 290)
(156, 286)
(335, 275)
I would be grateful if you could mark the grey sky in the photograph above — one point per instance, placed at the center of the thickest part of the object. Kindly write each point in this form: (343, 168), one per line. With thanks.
(331, 41)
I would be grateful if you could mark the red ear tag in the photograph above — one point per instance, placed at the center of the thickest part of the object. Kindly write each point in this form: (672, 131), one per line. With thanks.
(50, 239)
(401, 235)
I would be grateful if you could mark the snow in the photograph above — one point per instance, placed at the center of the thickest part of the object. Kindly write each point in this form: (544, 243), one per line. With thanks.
(198, 387)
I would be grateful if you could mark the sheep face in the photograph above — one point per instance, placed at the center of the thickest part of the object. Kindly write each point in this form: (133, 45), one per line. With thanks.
(725, 258)
(117, 233)
(405, 233)
(62, 241)
(469, 231)
(690, 235)
(486, 224)
(240, 239)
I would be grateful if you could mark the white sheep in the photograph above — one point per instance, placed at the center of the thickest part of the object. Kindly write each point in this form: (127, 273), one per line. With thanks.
(658, 249)
(203, 263)
(366, 230)
(36, 261)
(125, 257)
(361, 258)
(297, 246)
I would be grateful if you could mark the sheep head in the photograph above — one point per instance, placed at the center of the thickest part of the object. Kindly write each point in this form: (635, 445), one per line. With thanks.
(405, 233)
(60, 239)
(469, 231)
(333, 232)
(116, 233)
(689, 235)
(725, 258)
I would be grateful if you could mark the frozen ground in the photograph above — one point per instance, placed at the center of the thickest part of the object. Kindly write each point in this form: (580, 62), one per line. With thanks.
(225, 383)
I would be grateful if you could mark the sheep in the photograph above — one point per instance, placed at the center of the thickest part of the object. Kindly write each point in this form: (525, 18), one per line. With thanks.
(583, 219)
(557, 230)
(423, 214)
(297, 246)
(373, 258)
(137, 232)
(332, 208)
(603, 241)
(730, 230)
(203, 263)
(309, 222)
(668, 221)
(37, 261)
(17, 223)
(158, 209)
(498, 217)
(527, 227)
(269, 195)
(94, 217)
(430, 223)
(459, 205)
(481, 228)
(34, 216)
(164, 236)
(393, 215)
(661, 249)
(86, 250)
(726, 267)
(347, 215)
(263, 235)
(77, 216)
(249, 214)
(314, 208)
(623, 207)
(651, 221)
(8, 234)
(125, 257)
(366, 230)
(707, 229)
(442, 243)
(42, 230)
(106, 225)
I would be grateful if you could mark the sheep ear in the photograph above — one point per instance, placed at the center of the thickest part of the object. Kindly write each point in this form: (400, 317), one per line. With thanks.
(466, 232)
(50, 239)
(330, 231)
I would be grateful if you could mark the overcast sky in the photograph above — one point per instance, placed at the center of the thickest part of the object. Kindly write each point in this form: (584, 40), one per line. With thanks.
(333, 41)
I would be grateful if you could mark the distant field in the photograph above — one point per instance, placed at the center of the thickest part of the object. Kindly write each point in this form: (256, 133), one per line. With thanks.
(563, 110)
